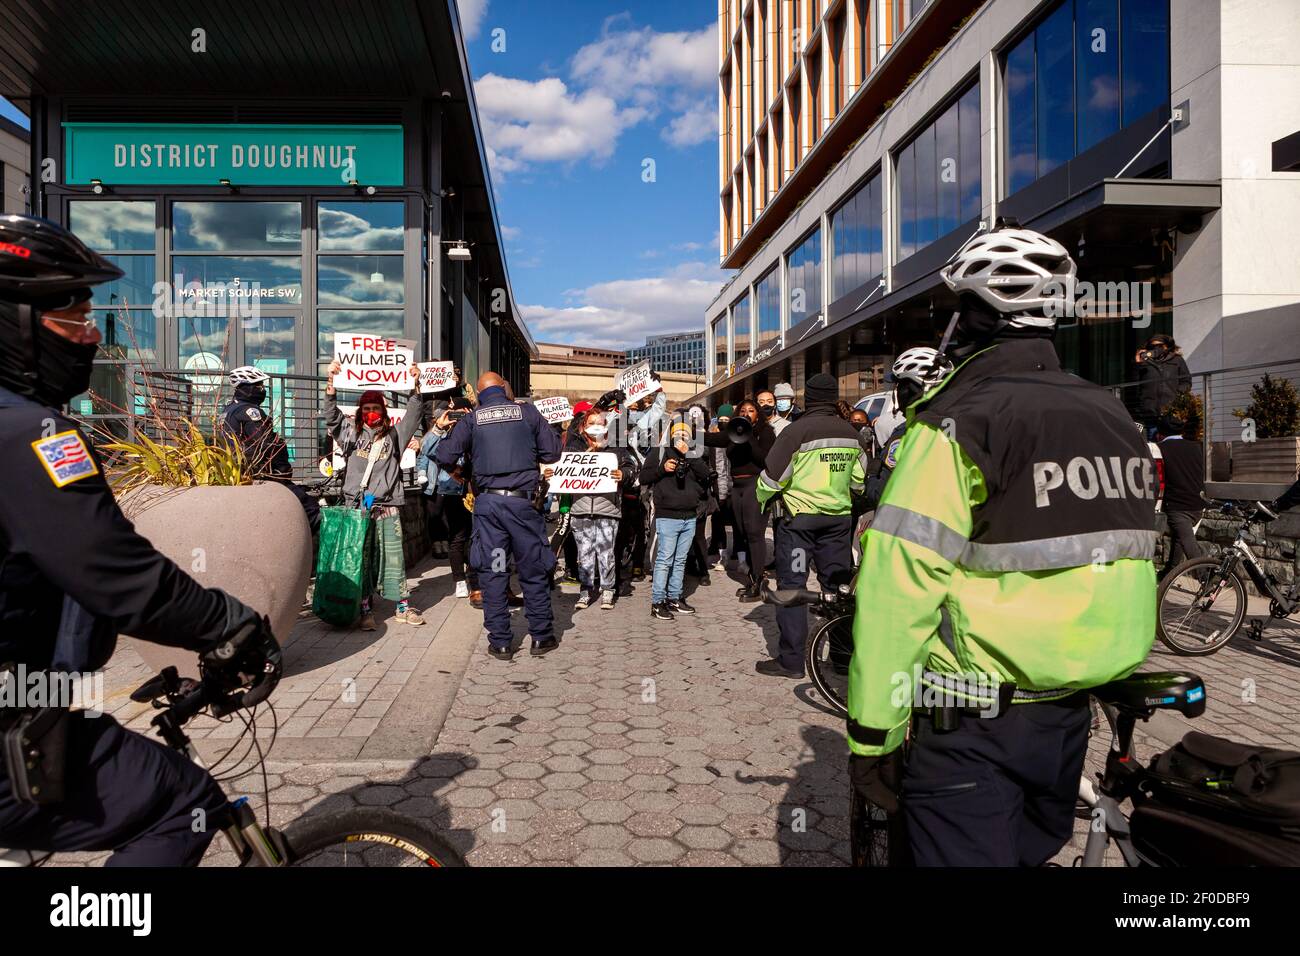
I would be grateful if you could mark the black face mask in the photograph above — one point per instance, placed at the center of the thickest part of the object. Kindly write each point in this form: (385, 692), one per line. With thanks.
(765, 411)
(63, 367)
(254, 394)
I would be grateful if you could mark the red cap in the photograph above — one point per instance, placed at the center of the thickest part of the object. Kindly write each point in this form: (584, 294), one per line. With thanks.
(582, 408)
(371, 398)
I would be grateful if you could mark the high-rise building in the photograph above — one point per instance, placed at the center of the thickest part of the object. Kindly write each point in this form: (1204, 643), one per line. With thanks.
(675, 352)
(863, 141)
(15, 154)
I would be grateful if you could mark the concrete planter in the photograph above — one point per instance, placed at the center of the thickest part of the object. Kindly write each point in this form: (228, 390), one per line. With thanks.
(252, 541)
(1266, 460)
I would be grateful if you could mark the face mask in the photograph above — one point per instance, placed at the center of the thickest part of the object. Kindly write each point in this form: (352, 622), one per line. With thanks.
(597, 431)
(63, 367)
(372, 418)
(765, 411)
(783, 404)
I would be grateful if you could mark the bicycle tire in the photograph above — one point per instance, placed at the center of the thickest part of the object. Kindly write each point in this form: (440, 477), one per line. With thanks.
(1221, 637)
(318, 840)
(870, 832)
(817, 658)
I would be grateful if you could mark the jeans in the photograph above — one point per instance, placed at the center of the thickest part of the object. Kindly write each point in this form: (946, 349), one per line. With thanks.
(674, 542)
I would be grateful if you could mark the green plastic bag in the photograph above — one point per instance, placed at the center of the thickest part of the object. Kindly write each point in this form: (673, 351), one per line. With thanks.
(344, 565)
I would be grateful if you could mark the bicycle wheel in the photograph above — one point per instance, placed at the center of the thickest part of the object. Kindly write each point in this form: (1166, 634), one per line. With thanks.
(1199, 607)
(366, 836)
(869, 831)
(826, 659)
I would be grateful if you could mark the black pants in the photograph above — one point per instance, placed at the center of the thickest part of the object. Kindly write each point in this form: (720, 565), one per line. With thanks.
(827, 541)
(996, 791)
(751, 520)
(450, 514)
(125, 793)
(697, 558)
(718, 526)
(630, 543)
(1182, 538)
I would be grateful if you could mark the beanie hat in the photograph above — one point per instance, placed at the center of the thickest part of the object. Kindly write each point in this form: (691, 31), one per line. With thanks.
(784, 390)
(371, 397)
(821, 388)
(725, 411)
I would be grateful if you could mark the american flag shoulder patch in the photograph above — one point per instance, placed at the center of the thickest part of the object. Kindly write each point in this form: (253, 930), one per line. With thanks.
(65, 457)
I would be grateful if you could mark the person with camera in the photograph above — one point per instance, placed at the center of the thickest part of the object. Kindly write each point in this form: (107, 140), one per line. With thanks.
(811, 474)
(1164, 376)
(444, 498)
(996, 572)
(747, 441)
(679, 481)
(74, 574)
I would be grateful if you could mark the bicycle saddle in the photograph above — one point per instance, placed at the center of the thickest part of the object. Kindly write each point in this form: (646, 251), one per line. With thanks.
(1161, 690)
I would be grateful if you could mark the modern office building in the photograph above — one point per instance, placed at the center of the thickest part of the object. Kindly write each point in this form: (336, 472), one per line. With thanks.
(674, 352)
(291, 170)
(863, 141)
(15, 156)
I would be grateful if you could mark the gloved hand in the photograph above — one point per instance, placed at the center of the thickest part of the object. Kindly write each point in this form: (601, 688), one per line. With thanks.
(246, 655)
(615, 396)
(878, 779)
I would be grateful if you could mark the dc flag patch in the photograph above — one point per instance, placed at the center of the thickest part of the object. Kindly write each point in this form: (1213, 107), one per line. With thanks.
(891, 456)
(65, 457)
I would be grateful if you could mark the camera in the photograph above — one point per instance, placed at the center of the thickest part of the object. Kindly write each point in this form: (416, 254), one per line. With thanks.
(456, 414)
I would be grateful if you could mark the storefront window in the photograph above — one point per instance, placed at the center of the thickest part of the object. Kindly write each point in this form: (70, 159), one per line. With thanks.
(135, 288)
(381, 321)
(236, 226)
(857, 255)
(1087, 69)
(360, 226)
(740, 329)
(112, 226)
(804, 278)
(358, 280)
(225, 280)
(767, 302)
(939, 176)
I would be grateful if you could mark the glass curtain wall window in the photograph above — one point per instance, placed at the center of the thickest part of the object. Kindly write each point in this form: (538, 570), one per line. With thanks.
(1088, 69)
(360, 276)
(804, 278)
(857, 247)
(767, 304)
(720, 346)
(938, 174)
(740, 330)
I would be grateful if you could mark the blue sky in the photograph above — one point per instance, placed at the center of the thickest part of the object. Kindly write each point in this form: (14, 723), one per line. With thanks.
(582, 95)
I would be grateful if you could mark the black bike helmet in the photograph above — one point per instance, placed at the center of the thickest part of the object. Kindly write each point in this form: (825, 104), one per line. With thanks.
(41, 263)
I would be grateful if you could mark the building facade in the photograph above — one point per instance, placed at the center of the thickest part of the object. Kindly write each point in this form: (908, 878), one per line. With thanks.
(863, 141)
(263, 196)
(676, 352)
(15, 158)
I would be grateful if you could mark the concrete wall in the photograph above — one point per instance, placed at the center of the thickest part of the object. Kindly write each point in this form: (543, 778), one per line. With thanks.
(589, 382)
(14, 155)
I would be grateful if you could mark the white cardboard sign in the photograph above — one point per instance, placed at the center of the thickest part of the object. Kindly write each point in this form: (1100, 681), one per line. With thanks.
(437, 376)
(554, 410)
(584, 473)
(373, 361)
(636, 383)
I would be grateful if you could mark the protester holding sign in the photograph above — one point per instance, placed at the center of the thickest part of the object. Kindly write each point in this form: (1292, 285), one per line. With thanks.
(371, 447)
(680, 482)
(594, 516)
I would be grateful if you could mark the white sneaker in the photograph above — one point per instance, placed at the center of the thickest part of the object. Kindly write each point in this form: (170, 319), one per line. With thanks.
(584, 601)
(606, 599)
(462, 589)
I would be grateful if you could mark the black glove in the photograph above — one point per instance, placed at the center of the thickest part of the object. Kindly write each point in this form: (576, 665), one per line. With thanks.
(246, 656)
(878, 779)
(611, 398)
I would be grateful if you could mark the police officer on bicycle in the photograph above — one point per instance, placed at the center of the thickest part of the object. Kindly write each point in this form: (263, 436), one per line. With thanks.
(1011, 564)
(73, 574)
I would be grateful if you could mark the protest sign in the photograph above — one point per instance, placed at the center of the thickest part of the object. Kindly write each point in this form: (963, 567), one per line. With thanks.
(373, 361)
(554, 409)
(584, 473)
(437, 376)
(636, 383)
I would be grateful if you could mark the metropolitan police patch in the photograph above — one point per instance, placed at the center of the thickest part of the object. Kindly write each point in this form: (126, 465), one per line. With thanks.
(255, 414)
(65, 457)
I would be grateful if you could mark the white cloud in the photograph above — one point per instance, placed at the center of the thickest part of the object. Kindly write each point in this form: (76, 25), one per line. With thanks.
(472, 13)
(641, 63)
(699, 124)
(622, 312)
(511, 232)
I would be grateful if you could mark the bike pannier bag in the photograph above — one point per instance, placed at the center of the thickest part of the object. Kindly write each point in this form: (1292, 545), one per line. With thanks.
(1168, 835)
(344, 565)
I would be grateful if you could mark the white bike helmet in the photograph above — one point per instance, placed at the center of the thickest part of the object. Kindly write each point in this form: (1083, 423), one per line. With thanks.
(248, 375)
(922, 365)
(1016, 271)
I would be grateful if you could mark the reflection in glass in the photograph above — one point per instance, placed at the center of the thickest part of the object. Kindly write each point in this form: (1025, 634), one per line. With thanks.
(387, 322)
(268, 342)
(1145, 55)
(127, 334)
(134, 288)
(227, 280)
(360, 226)
(1096, 58)
(1055, 47)
(767, 297)
(113, 226)
(969, 170)
(236, 226)
(740, 329)
(1022, 161)
(349, 280)
(720, 345)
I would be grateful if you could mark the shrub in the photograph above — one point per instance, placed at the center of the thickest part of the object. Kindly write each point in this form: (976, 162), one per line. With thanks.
(1274, 407)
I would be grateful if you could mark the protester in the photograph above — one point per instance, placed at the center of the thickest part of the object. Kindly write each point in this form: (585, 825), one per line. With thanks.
(697, 561)
(639, 427)
(444, 499)
(722, 490)
(1184, 467)
(784, 411)
(679, 482)
(371, 448)
(1164, 376)
(747, 459)
(858, 419)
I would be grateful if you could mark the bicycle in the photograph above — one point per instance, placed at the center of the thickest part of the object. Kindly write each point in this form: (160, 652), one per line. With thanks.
(828, 650)
(1201, 603)
(366, 836)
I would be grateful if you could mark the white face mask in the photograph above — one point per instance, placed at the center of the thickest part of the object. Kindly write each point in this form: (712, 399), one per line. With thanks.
(597, 431)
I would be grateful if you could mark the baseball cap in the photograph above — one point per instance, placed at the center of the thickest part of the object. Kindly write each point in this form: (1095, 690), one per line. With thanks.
(582, 408)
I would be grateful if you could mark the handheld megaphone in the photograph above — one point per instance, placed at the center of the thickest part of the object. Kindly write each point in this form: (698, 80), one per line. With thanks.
(739, 430)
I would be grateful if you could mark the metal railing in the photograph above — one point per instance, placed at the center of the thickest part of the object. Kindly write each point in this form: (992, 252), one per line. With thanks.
(1221, 392)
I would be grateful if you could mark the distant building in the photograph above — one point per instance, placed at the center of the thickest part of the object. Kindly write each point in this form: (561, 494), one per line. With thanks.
(556, 353)
(14, 158)
(675, 352)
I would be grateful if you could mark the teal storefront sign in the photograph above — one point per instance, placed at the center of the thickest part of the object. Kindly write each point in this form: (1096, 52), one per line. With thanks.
(180, 154)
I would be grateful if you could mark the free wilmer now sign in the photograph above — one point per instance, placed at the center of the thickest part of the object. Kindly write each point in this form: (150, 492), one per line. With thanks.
(373, 361)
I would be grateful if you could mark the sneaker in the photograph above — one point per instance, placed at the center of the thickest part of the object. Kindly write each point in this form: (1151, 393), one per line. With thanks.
(638, 574)
(679, 606)
(409, 616)
(462, 589)
(773, 668)
(705, 580)
(606, 599)
(661, 611)
(367, 621)
(584, 601)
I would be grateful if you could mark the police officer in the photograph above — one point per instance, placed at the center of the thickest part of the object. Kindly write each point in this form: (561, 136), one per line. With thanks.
(1010, 565)
(914, 373)
(814, 468)
(505, 442)
(266, 456)
(74, 573)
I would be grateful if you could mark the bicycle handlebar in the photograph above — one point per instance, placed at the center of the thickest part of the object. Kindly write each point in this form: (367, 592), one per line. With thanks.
(800, 597)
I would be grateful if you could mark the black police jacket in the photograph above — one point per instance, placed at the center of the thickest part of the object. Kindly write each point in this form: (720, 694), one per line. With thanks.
(64, 541)
(265, 452)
